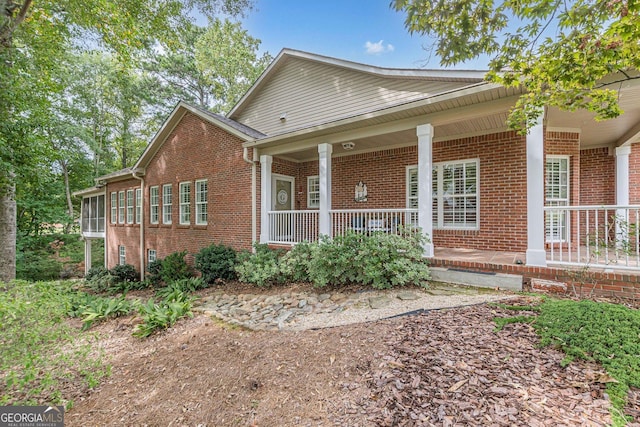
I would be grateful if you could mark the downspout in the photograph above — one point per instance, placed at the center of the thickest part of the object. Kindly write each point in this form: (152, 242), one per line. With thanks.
(142, 266)
(254, 227)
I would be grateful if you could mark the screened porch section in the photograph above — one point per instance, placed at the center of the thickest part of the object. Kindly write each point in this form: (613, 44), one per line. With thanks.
(93, 216)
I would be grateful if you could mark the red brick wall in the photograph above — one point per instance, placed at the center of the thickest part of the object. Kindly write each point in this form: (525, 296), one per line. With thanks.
(122, 234)
(195, 150)
(598, 177)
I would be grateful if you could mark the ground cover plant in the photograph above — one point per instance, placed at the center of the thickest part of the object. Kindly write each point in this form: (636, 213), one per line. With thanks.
(33, 331)
(602, 332)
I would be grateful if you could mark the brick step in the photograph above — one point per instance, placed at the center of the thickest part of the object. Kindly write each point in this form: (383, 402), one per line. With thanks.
(512, 282)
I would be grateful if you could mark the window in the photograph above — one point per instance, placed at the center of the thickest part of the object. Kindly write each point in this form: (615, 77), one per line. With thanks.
(412, 193)
(138, 205)
(167, 195)
(185, 203)
(154, 204)
(114, 207)
(201, 202)
(455, 193)
(121, 207)
(313, 192)
(556, 187)
(122, 255)
(129, 206)
(152, 255)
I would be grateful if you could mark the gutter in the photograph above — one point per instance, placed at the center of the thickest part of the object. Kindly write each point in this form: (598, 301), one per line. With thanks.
(254, 197)
(142, 266)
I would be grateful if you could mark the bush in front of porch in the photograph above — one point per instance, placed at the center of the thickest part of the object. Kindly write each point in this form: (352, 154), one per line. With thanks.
(380, 260)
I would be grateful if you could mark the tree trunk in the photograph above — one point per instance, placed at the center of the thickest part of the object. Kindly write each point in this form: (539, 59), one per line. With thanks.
(67, 191)
(8, 234)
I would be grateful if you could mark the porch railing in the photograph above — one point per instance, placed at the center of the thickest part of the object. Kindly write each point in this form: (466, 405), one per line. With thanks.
(596, 236)
(393, 221)
(287, 227)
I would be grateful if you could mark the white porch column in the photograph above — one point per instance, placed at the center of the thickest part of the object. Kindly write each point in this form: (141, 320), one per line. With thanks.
(265, 196)
(324, 178)
(87, 255)
(425, 167)
(536, 254)
(622, 190)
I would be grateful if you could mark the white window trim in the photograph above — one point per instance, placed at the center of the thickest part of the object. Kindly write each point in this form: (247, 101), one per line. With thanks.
(121, 206)
(408, 170)
(183, 204)
(567, 226)
(130, 207)
(440, 214)
(151, 258)
(122, 255)
(167, 214)
(199, 204)
(154, 219)
(309, 192)
(138, 205)
(114, 207)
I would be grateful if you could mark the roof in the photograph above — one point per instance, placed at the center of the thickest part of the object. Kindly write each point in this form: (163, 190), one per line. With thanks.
(471, 76)
(116, 174)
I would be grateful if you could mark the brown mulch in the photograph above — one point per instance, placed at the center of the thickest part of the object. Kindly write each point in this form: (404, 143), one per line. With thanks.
(442, 368)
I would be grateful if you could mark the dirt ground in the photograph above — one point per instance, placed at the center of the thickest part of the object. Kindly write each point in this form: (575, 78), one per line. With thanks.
(442, 368)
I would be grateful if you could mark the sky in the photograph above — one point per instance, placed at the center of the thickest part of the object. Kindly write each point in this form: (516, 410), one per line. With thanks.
(364, 31)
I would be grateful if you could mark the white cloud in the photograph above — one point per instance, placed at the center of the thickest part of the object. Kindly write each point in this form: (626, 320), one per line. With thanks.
(378, 48)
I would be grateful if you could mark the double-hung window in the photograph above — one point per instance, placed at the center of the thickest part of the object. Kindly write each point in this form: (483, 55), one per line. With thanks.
(313, 192)
(138, 205)
(201, 202)
(185, 203)
(167, 203)
(121, 207)
(556, 194)
(114, 207)
(129, 206)
(122, 255)
(455, 192)
(412, 193)
(154, 204)
(152, 255)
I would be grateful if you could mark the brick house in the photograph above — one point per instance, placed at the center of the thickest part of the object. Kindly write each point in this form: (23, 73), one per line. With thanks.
(320, 145)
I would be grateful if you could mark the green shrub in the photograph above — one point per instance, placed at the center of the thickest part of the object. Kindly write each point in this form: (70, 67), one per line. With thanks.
(183, 285)
(99, 309)
(95, 272)
(260, 268)
(158, 316)
(216, 262)
(154, 273)
(175, 267)
(295, 264)
(37, 266)
(124, 273)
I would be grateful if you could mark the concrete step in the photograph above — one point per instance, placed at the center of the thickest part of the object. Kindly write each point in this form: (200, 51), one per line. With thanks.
(511, 282)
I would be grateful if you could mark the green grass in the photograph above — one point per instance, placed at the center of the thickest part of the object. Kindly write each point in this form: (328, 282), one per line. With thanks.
(39, 351)
(605, 333)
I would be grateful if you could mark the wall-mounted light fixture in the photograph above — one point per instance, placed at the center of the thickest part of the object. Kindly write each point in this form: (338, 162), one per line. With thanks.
(348, 145)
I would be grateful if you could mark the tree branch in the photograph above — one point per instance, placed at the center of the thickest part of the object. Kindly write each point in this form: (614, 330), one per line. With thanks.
(7, 35)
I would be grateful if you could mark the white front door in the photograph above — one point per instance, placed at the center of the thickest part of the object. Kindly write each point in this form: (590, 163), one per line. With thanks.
(282, 200)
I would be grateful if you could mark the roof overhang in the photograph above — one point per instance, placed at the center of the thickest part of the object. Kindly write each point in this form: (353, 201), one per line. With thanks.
(89, 192)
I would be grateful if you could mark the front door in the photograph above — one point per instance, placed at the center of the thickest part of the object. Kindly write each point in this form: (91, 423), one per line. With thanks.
(283, 200)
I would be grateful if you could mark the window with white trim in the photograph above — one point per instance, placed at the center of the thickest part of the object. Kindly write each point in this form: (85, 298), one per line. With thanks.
(185, 203)
(129, 206)
(122, 255)
(556, 180)
(201, 202)
(313, 191)
(455, 193)
(152, 255)
(154, 204)
(121, 207)
(167, 203)
(138, 205)
(114, 207)
(412, 193)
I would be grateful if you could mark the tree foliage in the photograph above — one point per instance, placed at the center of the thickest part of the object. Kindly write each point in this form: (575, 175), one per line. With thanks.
(571, 55)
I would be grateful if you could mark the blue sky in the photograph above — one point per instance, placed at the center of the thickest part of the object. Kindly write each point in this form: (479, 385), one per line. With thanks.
(365, 31)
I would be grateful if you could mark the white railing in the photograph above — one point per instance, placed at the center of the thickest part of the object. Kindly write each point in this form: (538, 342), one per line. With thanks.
(393, 221)
(595, 236)
(288, 227)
